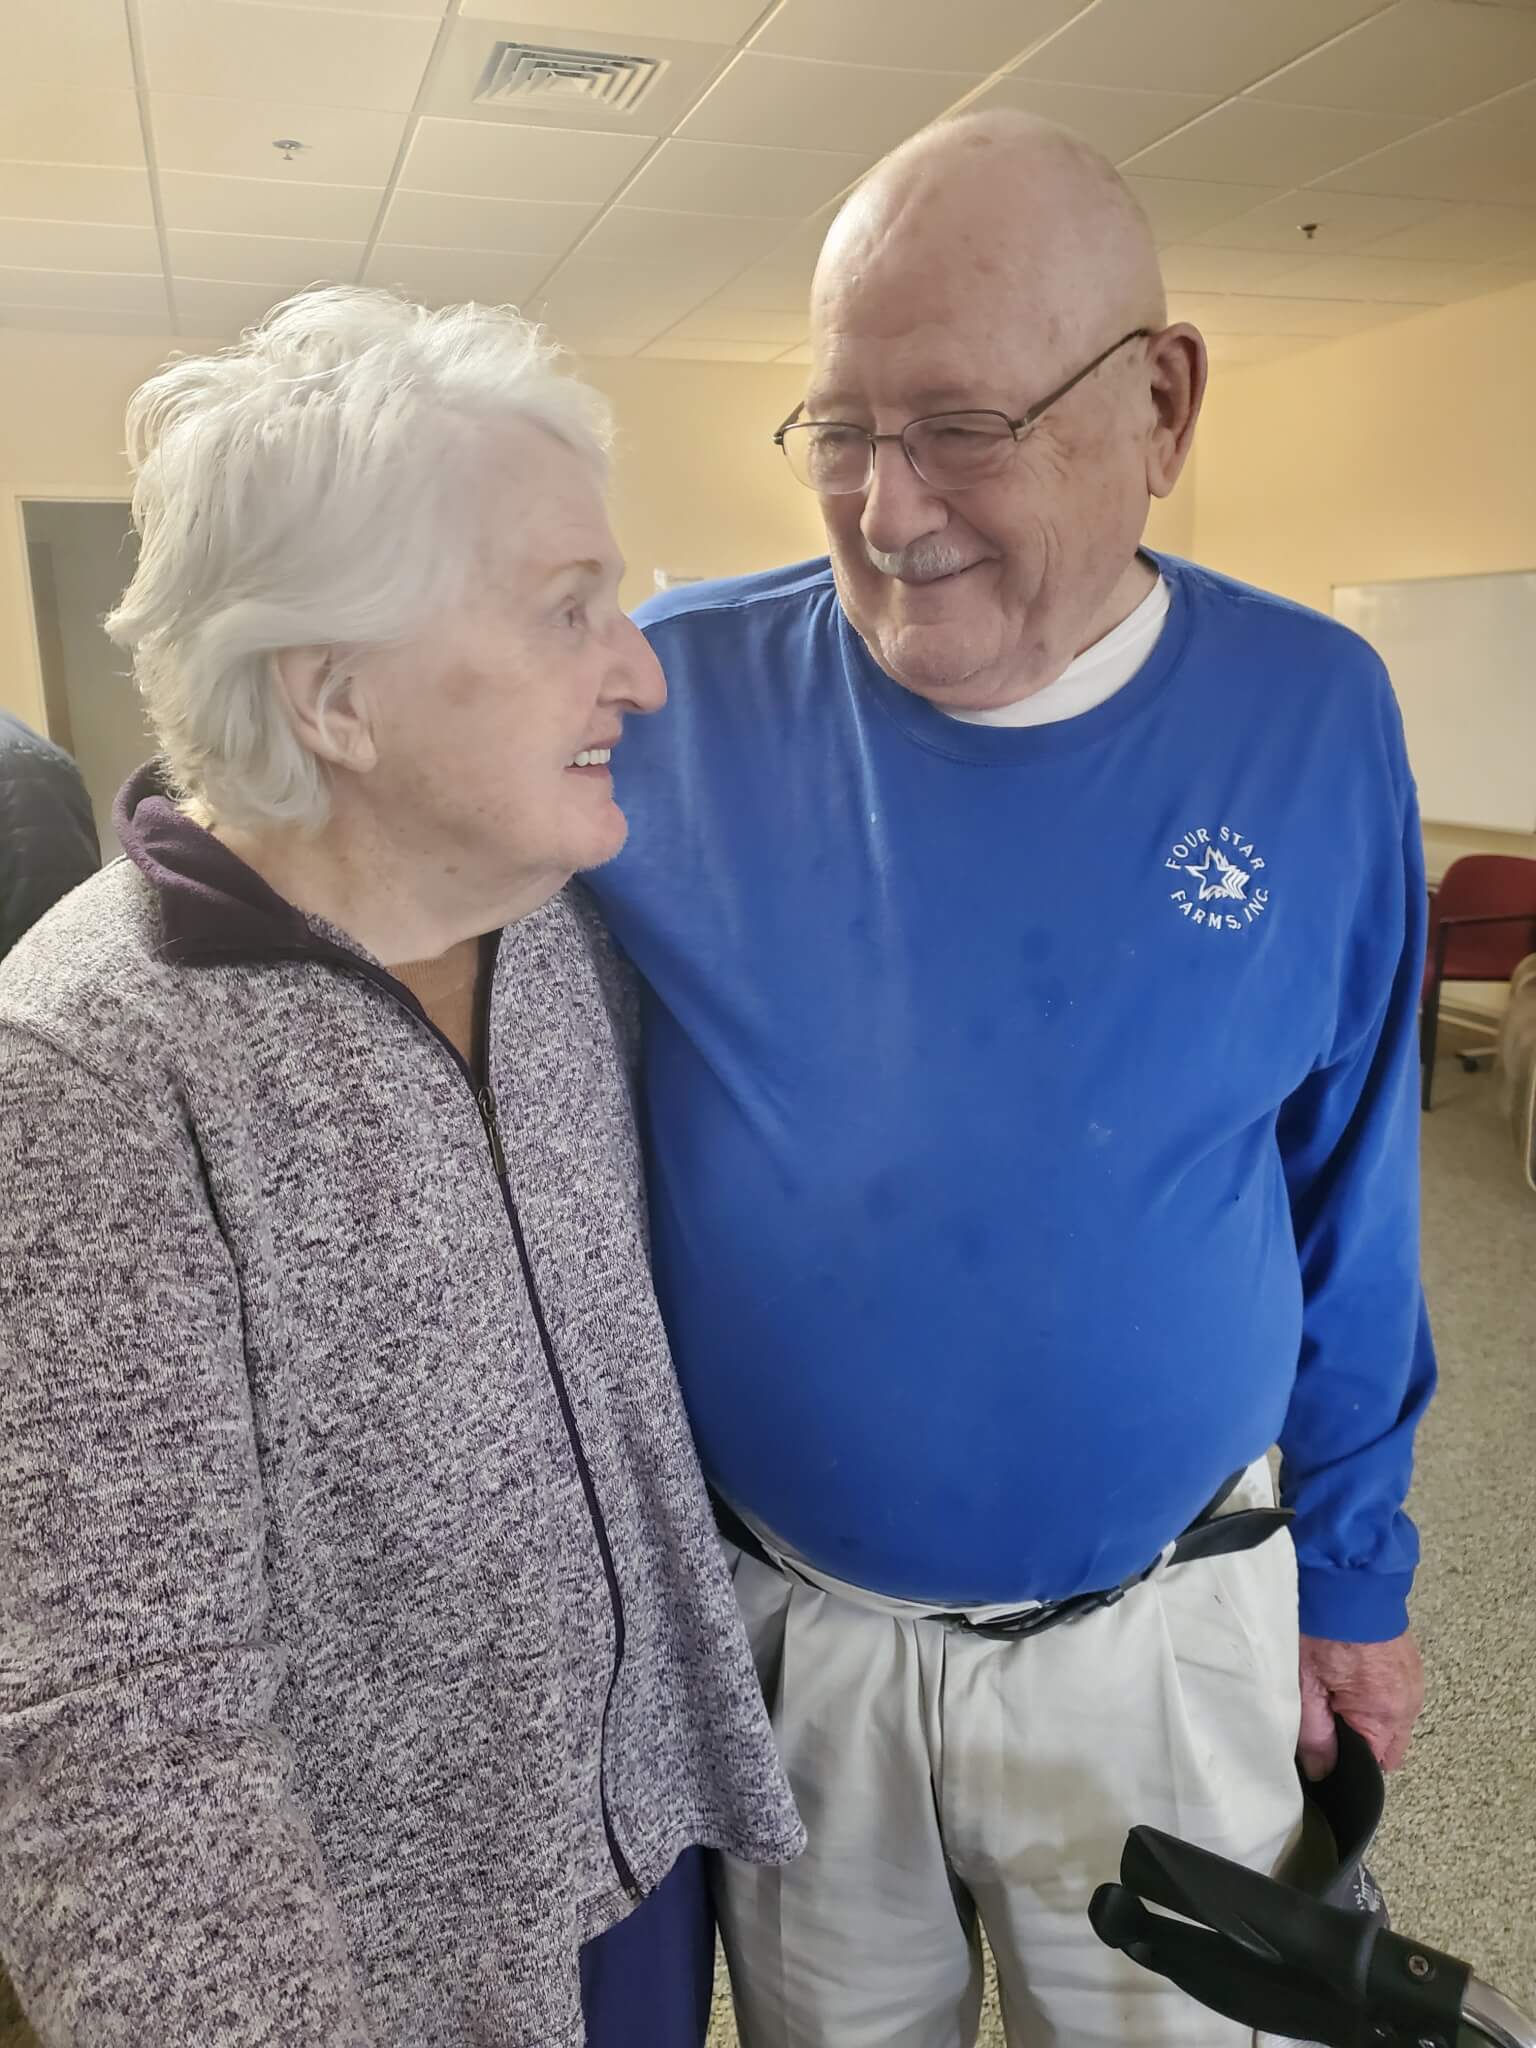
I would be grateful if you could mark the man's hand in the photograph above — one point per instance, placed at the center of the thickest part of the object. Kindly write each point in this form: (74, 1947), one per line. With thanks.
(1377, 1687)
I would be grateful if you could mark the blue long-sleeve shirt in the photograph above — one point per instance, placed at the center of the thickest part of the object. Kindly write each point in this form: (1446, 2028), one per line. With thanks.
(1030, 1111)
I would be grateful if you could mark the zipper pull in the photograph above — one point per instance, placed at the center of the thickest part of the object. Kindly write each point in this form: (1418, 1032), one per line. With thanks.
(486, 1103)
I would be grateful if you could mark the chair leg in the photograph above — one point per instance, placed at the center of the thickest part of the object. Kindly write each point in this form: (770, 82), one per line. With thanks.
(1429, 1033)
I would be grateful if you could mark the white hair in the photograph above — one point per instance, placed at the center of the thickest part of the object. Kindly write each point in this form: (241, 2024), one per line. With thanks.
(307, 488)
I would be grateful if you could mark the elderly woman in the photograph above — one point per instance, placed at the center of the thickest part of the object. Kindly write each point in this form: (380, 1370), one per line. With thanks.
(366, 1653)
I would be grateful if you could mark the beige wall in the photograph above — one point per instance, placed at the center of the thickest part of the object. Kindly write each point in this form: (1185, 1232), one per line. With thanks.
(698, 487)
(1407, 451)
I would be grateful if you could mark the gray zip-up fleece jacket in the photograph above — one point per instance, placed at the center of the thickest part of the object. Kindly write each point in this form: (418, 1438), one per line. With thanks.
(365, 1644)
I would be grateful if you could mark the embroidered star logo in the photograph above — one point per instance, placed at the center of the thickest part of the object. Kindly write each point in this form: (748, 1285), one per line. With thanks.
(1219, 876)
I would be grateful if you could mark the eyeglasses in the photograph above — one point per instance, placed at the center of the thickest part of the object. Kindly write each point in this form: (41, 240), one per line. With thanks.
(949, 450)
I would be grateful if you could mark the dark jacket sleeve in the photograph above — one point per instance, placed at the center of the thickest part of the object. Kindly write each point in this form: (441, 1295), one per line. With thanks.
(48, 842)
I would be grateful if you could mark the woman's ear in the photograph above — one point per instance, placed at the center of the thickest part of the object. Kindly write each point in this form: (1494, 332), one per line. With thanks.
(326, 706)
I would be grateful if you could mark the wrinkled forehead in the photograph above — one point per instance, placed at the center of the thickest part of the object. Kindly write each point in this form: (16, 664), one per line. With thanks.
(937, 356)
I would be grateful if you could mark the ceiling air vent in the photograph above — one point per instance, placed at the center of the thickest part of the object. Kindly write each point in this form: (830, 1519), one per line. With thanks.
(539, 75)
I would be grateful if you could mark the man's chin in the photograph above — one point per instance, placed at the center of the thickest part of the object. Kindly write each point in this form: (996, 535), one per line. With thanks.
(941, 667)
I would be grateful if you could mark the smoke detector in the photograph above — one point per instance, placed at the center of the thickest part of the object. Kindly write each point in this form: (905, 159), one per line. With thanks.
(540, 75)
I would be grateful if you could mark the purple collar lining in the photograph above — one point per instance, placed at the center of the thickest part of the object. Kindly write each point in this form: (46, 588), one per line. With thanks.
(213, 906)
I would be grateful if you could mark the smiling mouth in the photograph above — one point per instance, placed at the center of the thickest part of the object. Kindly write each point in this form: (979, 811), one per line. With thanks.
(928, 582)
(592, 757)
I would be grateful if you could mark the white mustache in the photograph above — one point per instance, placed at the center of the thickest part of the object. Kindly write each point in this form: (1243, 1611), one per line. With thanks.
(921, 561)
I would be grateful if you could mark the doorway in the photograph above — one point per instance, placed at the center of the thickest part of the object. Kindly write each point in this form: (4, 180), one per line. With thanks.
(81, 555)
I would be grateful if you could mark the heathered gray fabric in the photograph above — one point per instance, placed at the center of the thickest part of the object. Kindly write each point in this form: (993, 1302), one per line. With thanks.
(304, 1630)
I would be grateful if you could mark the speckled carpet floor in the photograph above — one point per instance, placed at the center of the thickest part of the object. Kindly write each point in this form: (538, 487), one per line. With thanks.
(1458, 1855)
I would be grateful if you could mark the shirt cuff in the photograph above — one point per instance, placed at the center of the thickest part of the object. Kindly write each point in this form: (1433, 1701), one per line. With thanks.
(1353, 1606)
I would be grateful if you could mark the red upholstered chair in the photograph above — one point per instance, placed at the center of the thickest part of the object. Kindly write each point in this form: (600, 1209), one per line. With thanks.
(1482, 924)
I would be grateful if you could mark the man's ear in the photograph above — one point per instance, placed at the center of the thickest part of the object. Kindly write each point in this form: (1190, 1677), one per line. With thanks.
(1176, 361)
(326, 706)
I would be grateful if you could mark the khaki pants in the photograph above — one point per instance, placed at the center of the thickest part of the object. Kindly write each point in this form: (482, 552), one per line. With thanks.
(947, 1780)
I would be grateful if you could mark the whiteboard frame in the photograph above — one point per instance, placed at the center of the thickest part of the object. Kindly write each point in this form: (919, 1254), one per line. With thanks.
(1449, 576)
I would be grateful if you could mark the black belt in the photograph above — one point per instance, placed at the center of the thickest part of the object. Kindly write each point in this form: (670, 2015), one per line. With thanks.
(1211, 1534)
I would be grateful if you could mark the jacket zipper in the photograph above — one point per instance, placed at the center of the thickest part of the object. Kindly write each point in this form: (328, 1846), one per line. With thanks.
(485, 1102)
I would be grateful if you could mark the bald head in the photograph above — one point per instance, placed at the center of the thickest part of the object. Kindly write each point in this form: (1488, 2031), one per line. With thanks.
(994, 285)
(996, 209)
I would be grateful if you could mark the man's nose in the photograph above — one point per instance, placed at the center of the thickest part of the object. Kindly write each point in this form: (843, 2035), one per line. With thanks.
(899, 507)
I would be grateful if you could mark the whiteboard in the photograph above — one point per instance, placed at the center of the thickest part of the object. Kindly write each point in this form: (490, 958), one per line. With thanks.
(1461, 651)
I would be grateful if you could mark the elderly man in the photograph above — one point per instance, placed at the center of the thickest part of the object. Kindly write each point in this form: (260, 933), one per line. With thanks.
(1031, 934)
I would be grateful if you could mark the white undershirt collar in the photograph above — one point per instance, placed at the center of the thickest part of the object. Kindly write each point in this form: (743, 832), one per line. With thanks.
(1094, 677)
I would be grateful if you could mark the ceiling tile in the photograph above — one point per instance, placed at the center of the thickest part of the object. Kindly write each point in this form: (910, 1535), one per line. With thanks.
(1180, 208)
(1292, 145)
(1344, 220)
(573, 326)
(65, 46)
(1488, 156)
(418, 9)
(582, 345)
(75, 192)
(1423, 57)
(1263, 315)
(233, 138)
(642, 234)
(637, 286)
(715, 322)
(212, 309)
(49, 124)
(618, 298)
(227, 49)
(770, 288)
(793, 104)
(1398, 281)
(477, 158)
(263, 259)
(908, 35)
(725, 177)
(1113, 120)
(1190, 269)
(1214, 46)
(446, 276)
(269, 206)
(529, 226)
(1469, 234)
(716, 21)
(71, 245)
(83, 288)
(82, 320)
(680, 278)
(686, 69)
(713, 351)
